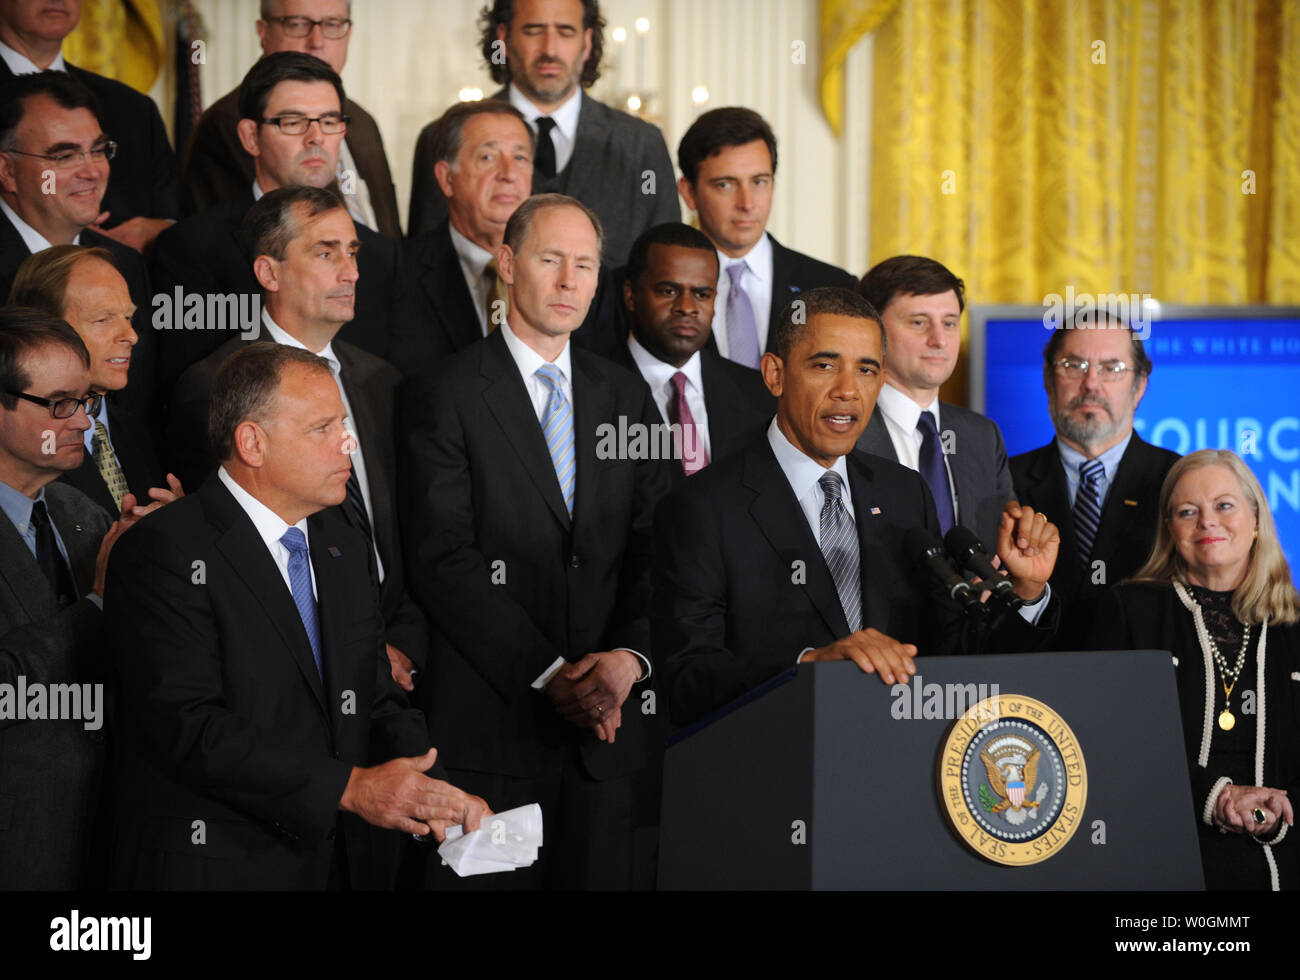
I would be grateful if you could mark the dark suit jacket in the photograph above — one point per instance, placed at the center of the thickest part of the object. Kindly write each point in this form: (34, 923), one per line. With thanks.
(49, 770)
(440, 319)
(978, 463)
(139, 392)
(134, 447)
(508, 581)
(215, 168)
(793, 273)
(1148, 616)
(204, 254)
(737, 400)
(611, 155)
(371, 385)
(228, 720)
(143, 180)
(729, 613)
(1128, 523)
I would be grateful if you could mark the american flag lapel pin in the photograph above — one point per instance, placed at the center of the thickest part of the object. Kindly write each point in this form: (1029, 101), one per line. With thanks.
(335, 552)
(875, 511)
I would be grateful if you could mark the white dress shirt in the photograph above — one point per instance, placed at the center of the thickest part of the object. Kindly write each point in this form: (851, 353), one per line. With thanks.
(360, 190)
(564, 136)
(270, 528)
(659, 376)
(757, 283)
(33, 239)
(474, 261)
(539, 392)
(282, 336)
(900, 414)
(20, 64)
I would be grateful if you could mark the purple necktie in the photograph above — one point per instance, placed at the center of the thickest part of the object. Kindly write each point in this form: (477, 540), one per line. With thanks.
(694, 458)
(742, 330)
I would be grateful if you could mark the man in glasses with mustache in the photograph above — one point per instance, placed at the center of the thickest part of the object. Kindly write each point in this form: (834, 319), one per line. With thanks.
(1097, 480)
(292, 123)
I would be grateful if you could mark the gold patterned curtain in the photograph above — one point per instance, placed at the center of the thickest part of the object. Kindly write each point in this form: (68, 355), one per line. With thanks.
(122, 39)
(1119, 146)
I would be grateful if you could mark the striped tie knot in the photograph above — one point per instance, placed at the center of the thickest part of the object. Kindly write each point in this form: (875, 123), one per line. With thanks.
(830, 484)
(1091, 470)
(294, 542)
(552, 376)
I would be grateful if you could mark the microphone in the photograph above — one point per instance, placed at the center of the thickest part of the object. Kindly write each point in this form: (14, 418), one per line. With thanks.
(968, 552)
(927, 551)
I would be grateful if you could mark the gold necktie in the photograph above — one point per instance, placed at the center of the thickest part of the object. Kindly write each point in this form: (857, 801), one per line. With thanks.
(498, 292)
(109, 468)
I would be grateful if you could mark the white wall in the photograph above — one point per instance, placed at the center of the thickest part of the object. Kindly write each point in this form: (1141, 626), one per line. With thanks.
(408, 59)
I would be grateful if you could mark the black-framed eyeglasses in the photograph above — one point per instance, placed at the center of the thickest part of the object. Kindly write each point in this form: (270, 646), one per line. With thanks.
(333, 28)
(330, 123)
(68, 159)
(1077, 367)
(64, 408)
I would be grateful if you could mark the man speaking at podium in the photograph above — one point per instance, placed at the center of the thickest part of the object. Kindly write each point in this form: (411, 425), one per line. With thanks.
(793, 549)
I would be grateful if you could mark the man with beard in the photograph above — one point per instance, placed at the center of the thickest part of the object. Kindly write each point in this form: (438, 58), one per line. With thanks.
(546, 52)
(1098, 480)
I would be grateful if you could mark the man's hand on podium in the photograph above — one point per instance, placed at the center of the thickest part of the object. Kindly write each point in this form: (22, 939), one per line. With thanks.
(874, 652)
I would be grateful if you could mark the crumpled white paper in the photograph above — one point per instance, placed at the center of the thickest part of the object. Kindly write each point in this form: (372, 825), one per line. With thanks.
(503, 842)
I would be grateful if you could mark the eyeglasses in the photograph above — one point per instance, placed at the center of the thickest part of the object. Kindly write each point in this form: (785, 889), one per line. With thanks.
(330, 123)
(64, 408)
(1075, 368)
(70, 159)
(333, 28)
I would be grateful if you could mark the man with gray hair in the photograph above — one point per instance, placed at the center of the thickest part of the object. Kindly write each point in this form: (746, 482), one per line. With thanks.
(250, 657)
(214, 166)
(1098, 479)
(528, 522)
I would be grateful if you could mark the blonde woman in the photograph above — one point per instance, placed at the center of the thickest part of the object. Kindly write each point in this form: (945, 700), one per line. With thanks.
(1217, 593)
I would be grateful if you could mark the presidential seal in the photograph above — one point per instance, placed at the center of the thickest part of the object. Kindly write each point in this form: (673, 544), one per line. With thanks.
(1012, 780)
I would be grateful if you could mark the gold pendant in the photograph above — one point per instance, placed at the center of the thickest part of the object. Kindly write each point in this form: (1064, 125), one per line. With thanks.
(1227, 720)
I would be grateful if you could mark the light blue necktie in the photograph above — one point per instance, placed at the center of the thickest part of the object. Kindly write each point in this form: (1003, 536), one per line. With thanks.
(557, 427)
(839, 541)
(1087, 507)
(742, 328)
(300, 585)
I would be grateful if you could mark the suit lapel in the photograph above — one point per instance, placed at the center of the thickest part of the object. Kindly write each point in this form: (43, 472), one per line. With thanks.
(589, 156)
(1132, 487)
(875, 610)
(23, 576)
(779, 517)
(725, 404)
(247, 554)
(783, 288)
(444, 285)
(593, 402)
(507, 399)
(372, 446)
(331, 598)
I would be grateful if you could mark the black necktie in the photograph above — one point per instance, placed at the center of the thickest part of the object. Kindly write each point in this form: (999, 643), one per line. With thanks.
(545, 161)
(933, 470)
(49, 557)
(358, 504)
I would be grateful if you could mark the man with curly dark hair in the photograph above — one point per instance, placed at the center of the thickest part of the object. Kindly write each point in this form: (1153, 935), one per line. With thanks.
(545, 52)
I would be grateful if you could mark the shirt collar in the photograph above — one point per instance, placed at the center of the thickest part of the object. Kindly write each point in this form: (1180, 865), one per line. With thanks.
(282, 336)
(528, 360)
(659, 373)
(20, 64)
(258, 193)
(270, 526)
(472, 255)
(18, 506)
(758, 258)
(33, 239)
(566, 116)
(901, 410)
(1071, 458)
(801, 471)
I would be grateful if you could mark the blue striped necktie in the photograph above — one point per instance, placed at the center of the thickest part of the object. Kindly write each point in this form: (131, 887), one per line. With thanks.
(300, 585)
(839, 540)
(1087, 507)
(557, 427)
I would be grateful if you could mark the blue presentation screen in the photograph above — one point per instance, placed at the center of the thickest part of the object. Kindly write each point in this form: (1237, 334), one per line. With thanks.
(1222, 383)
